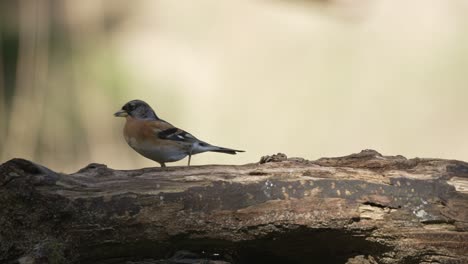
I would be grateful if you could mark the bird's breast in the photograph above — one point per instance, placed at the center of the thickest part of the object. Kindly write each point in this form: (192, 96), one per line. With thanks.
(143, 139)
(131, 141)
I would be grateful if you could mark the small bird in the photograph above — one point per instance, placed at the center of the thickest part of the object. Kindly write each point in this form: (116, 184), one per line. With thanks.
(157, 139)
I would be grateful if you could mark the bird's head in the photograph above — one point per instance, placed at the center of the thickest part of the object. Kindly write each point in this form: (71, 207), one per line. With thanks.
(137, 109)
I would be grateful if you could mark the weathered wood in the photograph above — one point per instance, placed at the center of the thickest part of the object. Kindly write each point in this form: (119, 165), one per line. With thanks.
(362, 208)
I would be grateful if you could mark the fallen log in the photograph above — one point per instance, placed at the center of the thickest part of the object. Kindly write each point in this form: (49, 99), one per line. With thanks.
(361, 208)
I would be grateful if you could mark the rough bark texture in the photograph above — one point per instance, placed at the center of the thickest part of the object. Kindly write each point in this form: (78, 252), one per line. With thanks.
(362, 208)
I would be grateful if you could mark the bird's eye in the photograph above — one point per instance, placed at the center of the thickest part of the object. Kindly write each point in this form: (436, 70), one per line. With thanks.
(127, 107)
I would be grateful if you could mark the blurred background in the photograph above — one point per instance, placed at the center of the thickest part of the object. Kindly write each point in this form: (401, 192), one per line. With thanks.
(307, 78)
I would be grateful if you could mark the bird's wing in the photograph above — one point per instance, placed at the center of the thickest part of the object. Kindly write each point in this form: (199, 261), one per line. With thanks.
(177, 134)
(164, 130)
(173, 135)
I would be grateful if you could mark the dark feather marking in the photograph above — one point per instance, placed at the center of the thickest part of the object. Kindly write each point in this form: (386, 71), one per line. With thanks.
(167, 133)
(175, 134)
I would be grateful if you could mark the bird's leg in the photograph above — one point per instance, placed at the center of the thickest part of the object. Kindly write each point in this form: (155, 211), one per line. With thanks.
(190, 156)
(162, 165)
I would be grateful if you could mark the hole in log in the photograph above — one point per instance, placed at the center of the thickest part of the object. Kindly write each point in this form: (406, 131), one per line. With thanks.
(306, 246)
(258, 173)
(296, 246)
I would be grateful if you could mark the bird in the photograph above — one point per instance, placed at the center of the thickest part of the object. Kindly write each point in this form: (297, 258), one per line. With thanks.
(157, 139)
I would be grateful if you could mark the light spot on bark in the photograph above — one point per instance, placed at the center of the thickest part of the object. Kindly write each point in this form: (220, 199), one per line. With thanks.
(460, 184)
(367, 211)
(285, 194)
(421, 213)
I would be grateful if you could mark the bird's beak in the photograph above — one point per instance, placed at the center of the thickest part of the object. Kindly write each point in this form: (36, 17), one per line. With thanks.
(121, 113)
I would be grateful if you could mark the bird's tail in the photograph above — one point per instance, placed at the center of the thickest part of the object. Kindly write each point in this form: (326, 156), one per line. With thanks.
(203, 147)
(225, 150)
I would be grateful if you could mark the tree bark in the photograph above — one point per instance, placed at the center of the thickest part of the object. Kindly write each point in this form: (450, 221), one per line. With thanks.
(361, 208)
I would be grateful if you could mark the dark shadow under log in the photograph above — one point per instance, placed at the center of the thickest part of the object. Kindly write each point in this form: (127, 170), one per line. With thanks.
(362, 208)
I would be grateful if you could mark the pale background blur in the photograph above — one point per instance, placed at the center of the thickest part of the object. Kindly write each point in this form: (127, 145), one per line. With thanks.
(307, 78)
